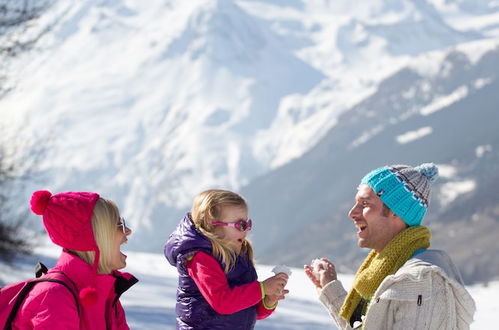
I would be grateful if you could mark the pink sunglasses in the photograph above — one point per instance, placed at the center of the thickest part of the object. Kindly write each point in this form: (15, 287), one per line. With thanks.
(241, 225)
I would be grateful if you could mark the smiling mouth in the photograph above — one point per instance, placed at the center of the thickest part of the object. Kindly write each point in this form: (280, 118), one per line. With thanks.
(360, 228)
(124, 242)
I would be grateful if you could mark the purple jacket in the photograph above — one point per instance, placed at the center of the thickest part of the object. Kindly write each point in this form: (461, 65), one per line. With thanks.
(193, 311)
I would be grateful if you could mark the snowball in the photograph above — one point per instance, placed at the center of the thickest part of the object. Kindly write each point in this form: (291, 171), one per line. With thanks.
(315, 266)
(281, 269)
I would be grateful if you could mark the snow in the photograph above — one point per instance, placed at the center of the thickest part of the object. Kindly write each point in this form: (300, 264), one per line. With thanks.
(467, 15)
(480, 83)
(444, 101)
(447, 171)
(414, 135)
(366, 136)
(480, 151)
(149, 102)
(282, 269)
(449, 191)
(150, 304)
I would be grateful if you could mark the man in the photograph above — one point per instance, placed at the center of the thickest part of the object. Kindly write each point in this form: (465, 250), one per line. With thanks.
(401, 284)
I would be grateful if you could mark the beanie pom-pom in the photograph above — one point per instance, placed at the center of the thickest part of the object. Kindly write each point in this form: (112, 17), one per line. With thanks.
(429, 170)
(39, 201)
(88, 297)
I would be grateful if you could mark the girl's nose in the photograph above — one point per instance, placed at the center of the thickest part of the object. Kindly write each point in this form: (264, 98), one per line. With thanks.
(128, 231)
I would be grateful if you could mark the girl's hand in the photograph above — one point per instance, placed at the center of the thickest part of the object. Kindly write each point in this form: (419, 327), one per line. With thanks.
(274, 286)
(271, 301)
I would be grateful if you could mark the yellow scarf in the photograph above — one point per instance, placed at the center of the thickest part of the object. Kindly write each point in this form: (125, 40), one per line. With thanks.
(377, 266)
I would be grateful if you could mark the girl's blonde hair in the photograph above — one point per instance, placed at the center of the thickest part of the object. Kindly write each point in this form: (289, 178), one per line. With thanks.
(207, 207)
(104, 220)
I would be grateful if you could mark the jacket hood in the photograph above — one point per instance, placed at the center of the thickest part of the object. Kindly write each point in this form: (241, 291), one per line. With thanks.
(441, 263)
(438, 258)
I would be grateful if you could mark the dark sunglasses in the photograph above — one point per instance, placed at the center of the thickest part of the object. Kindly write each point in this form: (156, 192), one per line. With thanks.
(122, 224)
(241, 225)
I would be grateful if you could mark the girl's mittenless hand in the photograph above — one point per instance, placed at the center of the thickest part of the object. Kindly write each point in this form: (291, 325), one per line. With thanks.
(272, 300)
(275, 285)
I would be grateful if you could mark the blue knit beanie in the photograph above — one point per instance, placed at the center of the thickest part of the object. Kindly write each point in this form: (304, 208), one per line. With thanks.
(404, 189)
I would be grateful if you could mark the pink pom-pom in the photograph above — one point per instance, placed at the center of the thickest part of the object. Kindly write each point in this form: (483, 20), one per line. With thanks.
(88, 297)
(39, 201)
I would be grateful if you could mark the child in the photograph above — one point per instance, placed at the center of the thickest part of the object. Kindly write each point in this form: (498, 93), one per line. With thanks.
(90, 231)
(218, 287)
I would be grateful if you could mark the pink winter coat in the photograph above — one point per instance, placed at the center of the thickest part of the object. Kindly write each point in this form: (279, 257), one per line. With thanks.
(52, 306)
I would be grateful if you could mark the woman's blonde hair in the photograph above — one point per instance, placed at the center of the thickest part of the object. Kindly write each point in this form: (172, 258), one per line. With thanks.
(207, 207)
(104, 220)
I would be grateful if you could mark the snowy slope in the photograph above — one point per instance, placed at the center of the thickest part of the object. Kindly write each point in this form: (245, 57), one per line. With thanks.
(150, 102)
(150, 304)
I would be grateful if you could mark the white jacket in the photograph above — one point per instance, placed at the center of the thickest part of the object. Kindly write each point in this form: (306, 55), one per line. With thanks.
(427, 292)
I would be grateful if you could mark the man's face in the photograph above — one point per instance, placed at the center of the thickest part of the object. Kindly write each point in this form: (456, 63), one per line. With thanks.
(374, 224)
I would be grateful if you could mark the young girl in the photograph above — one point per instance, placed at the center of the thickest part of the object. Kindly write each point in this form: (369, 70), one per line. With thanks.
(218, 287)
(90, 231)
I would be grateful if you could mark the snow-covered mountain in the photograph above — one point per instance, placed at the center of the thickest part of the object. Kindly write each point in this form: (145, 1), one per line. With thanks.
(151, 102)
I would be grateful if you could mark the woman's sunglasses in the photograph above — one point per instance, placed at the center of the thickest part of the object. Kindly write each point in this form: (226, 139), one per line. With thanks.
(122, 224)
(241, 225)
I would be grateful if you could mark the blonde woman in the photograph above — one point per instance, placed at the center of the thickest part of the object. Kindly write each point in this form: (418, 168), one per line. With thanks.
(90, 231)
(218, 287)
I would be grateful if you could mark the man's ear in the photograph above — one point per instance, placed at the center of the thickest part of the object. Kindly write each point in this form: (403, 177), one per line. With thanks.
(398, 220)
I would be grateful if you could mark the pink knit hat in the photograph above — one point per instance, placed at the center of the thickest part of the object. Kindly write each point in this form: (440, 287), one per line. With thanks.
(67, 217)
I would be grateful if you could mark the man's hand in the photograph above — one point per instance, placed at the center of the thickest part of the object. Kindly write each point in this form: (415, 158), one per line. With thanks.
(326, 274)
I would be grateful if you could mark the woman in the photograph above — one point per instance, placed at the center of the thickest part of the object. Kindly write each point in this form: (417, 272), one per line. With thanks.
(90, 231)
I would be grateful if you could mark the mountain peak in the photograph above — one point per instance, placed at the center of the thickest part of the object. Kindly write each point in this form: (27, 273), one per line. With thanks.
(219, 30)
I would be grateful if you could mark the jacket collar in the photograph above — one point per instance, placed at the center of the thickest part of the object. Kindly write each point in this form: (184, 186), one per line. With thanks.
(80, 272)
(123, 282)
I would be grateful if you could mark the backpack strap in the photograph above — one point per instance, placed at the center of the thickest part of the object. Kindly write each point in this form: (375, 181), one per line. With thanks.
(73, 290)
(27, 288)
(40, 269)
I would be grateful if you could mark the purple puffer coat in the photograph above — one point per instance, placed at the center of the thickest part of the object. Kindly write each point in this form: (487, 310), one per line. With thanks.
(193, 311)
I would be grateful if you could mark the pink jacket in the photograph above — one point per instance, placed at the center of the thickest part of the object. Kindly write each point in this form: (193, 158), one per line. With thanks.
(52, 306)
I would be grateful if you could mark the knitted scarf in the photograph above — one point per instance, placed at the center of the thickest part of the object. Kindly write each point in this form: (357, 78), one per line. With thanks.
(377, 266)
